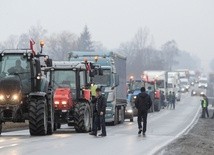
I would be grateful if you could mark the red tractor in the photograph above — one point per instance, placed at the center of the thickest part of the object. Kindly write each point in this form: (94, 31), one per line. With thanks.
(71, 82)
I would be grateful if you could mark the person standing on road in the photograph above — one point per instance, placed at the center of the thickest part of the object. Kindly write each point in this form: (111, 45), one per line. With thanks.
(143, 103)
(162, 99)
(99, 113)
(173, 100)
(169, 99)
(204, 104)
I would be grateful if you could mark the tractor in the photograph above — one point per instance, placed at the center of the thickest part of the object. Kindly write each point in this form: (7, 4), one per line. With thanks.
(71, 83)
(25, 93)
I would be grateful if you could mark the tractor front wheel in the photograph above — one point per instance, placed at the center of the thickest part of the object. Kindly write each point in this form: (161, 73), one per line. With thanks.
(82, 117)
(38, 117)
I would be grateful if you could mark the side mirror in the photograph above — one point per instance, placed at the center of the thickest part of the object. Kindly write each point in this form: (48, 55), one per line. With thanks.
(48, 62)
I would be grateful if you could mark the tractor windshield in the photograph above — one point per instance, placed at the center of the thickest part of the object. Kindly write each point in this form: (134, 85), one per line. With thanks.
(103, 80)
(64, 78)
(137, 85)
(16, 65)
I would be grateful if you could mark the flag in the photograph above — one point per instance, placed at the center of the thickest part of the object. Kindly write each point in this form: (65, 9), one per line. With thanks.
(32, 42)
(88, 67)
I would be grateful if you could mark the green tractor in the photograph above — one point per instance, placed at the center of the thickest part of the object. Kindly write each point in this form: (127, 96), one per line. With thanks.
(25, 94)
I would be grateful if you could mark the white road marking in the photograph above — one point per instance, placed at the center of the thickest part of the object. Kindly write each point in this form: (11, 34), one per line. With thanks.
(6, 146)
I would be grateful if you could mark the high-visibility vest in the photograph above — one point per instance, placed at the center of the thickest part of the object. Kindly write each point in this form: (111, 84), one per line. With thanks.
(93, 90)
(204, 104)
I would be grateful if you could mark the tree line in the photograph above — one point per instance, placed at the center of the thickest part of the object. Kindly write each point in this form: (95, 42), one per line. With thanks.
(57, 45)
(142, 55)
(140, 51)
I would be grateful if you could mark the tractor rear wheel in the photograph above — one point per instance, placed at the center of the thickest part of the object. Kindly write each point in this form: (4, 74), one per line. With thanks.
(82, 117)
(38, 117)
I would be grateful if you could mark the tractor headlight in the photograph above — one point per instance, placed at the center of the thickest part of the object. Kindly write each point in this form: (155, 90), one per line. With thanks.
(64, 102)
(15, 97)
(2, 97)
(130, 111)
(56, 102)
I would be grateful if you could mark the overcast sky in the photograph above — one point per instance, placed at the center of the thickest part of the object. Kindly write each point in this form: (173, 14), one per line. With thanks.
(189, 22)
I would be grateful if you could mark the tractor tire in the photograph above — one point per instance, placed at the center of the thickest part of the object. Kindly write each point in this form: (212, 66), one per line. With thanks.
(50, 121)
(82, 117)
(58, 125)
(38, 117)
(0, 128)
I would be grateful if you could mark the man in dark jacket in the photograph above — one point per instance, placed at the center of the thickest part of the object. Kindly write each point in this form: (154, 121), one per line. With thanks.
(143, 102)
(99, 113)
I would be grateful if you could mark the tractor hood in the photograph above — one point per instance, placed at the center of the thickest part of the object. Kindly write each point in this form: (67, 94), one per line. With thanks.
(10, 85)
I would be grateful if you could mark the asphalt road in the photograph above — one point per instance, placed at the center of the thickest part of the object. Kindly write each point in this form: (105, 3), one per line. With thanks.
(163, 127)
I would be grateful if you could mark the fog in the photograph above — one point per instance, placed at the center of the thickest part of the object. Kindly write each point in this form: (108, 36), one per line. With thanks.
(190, 23)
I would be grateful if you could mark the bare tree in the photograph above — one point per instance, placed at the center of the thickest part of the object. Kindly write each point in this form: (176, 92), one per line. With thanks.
(11, 42)
(23, 41)
(98, 46)
(170, 51)
(37, 33)
(60, 44)
(141, 54)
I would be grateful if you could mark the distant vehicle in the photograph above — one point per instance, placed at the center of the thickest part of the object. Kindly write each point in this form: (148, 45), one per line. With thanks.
(130, 111)
(184, 85)
(175, 76)
(197, 92)
(131, 103)
(183, 73)
(134, 85)
(203, 82)
(192, 77)
(158, 82)
(173, 87)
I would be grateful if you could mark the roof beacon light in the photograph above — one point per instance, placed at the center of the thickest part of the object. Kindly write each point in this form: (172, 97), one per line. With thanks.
(42, 43)
(96, 58)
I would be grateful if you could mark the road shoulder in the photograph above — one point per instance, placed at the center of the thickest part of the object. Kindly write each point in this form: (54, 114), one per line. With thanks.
(199, 140)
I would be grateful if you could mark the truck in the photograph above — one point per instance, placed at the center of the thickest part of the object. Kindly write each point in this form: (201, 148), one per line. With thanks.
(112, 82)
(174, 84)
(192, 77)
(158, 81)
(183, 73)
